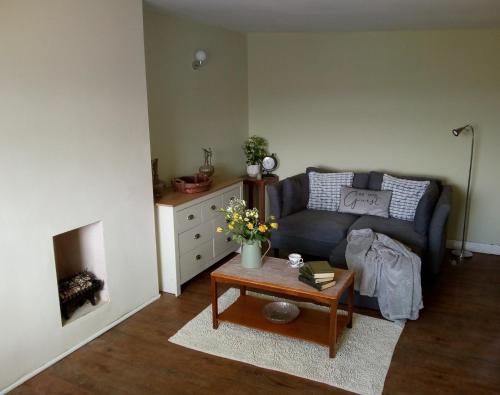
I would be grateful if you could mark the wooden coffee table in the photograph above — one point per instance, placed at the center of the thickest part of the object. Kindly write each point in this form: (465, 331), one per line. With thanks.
(277, 277)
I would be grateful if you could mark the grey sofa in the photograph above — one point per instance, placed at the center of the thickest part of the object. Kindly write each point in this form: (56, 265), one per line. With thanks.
(323, 233)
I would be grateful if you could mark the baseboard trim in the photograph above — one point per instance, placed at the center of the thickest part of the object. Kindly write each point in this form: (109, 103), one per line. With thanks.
(475, 247)
(72, 349)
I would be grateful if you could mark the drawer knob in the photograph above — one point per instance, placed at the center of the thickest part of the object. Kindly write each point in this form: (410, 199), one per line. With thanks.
(228, 239)
(190, 217)
(198, 257)
(213, 207)
(197, 236)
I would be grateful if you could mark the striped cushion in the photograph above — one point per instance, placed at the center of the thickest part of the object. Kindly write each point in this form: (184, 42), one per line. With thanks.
(406, 195)
(324, 189)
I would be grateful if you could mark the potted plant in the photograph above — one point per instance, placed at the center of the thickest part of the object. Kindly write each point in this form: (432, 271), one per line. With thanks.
(245, 227)
(255, 150)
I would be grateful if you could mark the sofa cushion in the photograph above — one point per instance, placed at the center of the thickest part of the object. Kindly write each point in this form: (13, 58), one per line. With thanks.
(295, 194)
(401, 230)
(425, 207)
(314, 232)
(365, 201)
(360, 180)
(324, 189)
(406, 195)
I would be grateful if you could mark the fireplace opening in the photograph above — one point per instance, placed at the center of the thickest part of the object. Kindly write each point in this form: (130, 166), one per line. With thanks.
(81, 271)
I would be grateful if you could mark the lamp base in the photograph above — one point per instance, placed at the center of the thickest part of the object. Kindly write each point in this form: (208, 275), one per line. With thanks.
(462, 254)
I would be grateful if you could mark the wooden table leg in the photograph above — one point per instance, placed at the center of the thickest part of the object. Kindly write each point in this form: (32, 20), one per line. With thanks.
(262, 203)
(243, 290)
(333, 329)
(250, 196)
(215, 313)
(350, 302)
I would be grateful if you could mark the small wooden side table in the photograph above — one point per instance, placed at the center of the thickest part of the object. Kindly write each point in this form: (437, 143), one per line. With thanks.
(261, 191)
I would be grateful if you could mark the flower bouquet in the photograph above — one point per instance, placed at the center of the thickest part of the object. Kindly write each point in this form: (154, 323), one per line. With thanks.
(245, 227)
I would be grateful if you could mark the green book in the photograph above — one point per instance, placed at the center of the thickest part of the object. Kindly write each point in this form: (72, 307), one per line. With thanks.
(306, 273)
(319, 269)
(319, 287)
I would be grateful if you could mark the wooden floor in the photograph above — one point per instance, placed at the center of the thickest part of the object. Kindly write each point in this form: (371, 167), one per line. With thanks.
(454, 348)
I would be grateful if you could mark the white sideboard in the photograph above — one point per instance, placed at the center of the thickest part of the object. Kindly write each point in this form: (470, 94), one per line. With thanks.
(186, 239)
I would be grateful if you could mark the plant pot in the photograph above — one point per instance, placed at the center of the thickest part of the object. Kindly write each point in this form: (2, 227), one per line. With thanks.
(253, 170)
(251, 255)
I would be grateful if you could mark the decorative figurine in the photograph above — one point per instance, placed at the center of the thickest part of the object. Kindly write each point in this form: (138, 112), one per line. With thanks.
(207, 169)
(158, 185)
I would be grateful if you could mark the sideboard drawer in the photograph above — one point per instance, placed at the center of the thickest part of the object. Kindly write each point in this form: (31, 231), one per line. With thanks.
(195, 237)
(232, 193)
(209, 208)
(188, 218)
(195, 261)
(222, 242)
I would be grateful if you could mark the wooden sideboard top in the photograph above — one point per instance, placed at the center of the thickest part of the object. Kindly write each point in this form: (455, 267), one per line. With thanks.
(173, 198)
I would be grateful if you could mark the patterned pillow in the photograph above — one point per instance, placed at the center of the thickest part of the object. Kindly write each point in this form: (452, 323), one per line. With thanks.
(405, 196)
(324, 189)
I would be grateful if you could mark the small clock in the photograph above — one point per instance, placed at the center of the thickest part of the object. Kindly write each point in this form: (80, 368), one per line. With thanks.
(269, 163)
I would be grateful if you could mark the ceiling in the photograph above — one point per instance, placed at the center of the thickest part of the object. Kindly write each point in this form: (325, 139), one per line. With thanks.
(335, 15)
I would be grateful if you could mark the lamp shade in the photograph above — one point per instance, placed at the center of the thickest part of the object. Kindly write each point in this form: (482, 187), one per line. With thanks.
(200, 55)
(456, 132)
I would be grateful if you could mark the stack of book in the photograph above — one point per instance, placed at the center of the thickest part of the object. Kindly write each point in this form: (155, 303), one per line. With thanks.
(317, 274)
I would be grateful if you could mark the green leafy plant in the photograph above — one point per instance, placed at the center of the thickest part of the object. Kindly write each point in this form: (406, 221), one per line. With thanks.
(244, 225)
(255, 149)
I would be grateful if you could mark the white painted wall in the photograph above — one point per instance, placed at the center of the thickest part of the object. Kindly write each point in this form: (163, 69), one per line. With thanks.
(74, 149)
(385, 101)
(191, 109)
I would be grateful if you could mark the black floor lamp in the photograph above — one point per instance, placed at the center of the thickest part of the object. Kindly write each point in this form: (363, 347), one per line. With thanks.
(462, 253)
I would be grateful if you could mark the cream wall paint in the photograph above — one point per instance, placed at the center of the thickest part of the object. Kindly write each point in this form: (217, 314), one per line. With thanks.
(385, 101)
(191, 109)
(74, 149)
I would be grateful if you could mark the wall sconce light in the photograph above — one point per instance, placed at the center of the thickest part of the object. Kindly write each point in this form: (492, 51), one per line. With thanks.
(200, 56)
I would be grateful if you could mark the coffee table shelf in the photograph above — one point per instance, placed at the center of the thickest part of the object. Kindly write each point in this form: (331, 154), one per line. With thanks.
(311, 325)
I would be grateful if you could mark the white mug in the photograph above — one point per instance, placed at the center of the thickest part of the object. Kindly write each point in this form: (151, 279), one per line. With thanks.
(295, 260)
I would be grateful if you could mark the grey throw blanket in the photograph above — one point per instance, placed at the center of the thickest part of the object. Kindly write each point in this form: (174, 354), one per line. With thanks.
(386, 269)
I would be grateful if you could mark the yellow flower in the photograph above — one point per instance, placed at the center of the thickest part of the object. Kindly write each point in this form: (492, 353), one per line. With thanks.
(250, 226)
(220, 229)
(262, 228)
(235, 216)
(274, 225)
(231, 226)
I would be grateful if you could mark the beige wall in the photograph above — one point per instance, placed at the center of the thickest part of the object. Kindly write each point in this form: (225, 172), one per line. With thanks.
(384, 100)
(191, 109)
(74, 149)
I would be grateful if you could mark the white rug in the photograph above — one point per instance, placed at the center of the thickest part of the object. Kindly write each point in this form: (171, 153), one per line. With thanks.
(364, 352)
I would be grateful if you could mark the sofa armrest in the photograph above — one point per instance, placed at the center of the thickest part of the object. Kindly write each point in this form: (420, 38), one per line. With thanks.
(275, 194)
(437, 230)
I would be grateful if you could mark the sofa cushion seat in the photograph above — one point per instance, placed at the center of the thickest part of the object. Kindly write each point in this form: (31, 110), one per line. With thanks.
(403, 231)
(314, 232)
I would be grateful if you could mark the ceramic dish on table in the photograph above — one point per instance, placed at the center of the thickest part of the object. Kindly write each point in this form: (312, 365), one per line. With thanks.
(280, 312)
